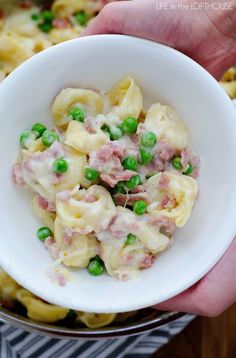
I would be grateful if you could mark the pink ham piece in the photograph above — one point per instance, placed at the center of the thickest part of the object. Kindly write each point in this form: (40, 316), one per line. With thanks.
(26, 4)
(187, 156)
(68, 239)
(107, 160)
(44, 204)
(163, 183)
(166, 203)
(61, 23)
(58, 277)
(147, 261)
(52, 247)
(17, 175)
(161, 221)
(130, 199)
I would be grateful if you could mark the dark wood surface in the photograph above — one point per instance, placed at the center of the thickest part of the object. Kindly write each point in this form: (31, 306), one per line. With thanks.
(204, 338)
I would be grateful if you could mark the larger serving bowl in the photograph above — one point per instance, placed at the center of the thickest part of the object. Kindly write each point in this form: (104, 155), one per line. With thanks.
(164, 75)
(139, 322)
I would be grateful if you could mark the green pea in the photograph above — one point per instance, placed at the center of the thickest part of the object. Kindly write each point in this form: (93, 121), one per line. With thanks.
(77, 114)
(39, 129)
(188, 170)
(116, 132)
(145, 156)
(133, 182)
(36, 16)
(45, 27)
(71, 315)
(49, 137)
(130, 163)
(60, 166)
(96, 266)
(176, 162)
(120, 188)
(43, 233)
(47, 15)
(148, 139)
(81, 18)
(130, 125)
(105, 128)
(91, 174)
(131, 239)
(27, 138)
(140, 207)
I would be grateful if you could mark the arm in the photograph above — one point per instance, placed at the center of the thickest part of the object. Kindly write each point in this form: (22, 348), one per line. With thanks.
(206, 34)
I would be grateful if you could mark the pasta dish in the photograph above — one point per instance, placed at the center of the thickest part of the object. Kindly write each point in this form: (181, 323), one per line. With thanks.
(26, 28)
(110, 181)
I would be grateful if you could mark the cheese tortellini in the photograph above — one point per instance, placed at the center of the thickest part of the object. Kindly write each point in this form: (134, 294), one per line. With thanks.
(39, 310)
(111, 181)
(80, 139)
(88, 100)
(38, 176)
(23, 31)
(179, 196)
(166, 124)
(125, 99)
(86, 210)
(76, 249)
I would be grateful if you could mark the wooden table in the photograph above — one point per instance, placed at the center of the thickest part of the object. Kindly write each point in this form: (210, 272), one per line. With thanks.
(204, 338)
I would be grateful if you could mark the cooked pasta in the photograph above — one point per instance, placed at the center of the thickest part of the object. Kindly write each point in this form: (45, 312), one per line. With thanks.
(111, 183)
(26, 29)
(41, 311)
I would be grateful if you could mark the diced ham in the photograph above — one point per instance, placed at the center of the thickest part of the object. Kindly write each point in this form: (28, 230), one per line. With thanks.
(166, 202)
(61, 23)
(26, 4)
(17, 175)
(161, 221)
(164, 150)
(130, 199)
(123, 225)
(44, 204)
(113, 179)
(187, 156)
(2, 14)
(108, 150)
(138, 189)
(119, 227)
(52, 247)
(68, 239)
(89, 198)
(57, 150)
(58, 277)
(163, 183)
(147, 261)
(107, 160)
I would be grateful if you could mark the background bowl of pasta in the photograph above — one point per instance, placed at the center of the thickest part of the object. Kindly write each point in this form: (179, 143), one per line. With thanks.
(165, 76)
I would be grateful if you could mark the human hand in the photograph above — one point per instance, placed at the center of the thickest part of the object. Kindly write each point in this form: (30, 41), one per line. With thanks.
(213, 294)
(207, 35)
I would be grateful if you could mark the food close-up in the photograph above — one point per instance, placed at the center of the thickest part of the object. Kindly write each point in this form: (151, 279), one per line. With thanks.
(110, 179)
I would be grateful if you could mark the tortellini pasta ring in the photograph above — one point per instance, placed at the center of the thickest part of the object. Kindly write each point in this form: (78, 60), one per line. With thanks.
(166, 124)
(127, 98)
(39, 310)
(182, 190)
(68, 98)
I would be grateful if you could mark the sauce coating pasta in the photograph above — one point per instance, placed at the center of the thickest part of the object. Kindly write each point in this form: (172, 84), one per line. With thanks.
(110, 182)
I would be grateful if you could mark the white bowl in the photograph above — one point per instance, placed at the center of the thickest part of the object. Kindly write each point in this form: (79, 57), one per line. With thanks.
(164, 75)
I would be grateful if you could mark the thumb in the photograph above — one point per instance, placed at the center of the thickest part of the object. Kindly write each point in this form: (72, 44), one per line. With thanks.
(112, 19)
